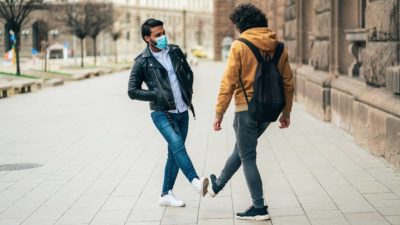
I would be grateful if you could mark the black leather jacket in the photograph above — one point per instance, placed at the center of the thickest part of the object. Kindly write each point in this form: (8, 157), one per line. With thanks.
(159, 93)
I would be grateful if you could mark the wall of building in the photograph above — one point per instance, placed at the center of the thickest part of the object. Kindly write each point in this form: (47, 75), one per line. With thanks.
(346, 62)
(188, 23)
(222, 26)
(353, 45)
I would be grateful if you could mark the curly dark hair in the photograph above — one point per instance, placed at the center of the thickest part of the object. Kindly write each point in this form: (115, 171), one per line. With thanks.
(247, 16)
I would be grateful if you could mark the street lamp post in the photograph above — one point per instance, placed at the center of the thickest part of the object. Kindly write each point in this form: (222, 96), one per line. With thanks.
(46, 45)
(25, 34)
(184, 12)
(54, 33)
(1, 33)
(74, 39)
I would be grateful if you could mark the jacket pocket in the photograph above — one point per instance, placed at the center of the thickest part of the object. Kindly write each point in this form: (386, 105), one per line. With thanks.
(158, 96)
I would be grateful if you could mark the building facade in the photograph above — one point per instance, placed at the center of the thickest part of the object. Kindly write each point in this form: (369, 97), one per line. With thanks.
(188, 23)
(345, 56)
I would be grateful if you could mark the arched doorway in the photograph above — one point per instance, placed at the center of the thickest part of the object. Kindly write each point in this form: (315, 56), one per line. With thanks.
(39, 35)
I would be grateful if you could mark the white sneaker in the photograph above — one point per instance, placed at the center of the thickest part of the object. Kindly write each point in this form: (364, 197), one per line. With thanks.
(171, 200)
(201, 185)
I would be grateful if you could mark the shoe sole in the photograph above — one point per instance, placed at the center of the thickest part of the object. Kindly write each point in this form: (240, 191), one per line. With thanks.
(211, 191)
(258, 218)
(172, 205)
(205, 186)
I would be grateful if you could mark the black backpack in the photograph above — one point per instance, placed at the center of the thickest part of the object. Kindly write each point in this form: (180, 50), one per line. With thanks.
(268, 98)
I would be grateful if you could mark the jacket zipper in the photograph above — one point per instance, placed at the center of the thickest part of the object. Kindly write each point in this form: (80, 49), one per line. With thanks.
(184, 94)
(162, 90)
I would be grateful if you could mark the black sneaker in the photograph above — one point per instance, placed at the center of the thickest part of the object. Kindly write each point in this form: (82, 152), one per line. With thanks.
(254, 214)
(214, 188)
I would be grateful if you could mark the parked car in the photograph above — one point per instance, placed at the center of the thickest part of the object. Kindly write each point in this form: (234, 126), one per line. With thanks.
(199, 52)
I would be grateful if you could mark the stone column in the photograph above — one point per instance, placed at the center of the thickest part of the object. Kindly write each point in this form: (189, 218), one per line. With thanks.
(275, 15)
(222, 25)
(300, 30)
(280, 17)
(306, 16)
(291, 29)
(334, 37)
(321, 36)
(350, 25)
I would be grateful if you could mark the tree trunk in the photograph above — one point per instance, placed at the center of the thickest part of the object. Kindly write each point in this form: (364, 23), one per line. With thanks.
(17, 40)
(115, 51)
(95, 49)
(82, 53)
(45, 60)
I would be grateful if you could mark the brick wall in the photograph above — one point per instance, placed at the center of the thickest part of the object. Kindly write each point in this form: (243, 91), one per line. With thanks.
(222, 25)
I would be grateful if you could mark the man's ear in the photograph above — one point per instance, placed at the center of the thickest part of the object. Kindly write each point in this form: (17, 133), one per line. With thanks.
(147, 39)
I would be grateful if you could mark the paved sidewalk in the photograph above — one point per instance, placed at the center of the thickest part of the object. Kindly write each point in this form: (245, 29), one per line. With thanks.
(103, 163)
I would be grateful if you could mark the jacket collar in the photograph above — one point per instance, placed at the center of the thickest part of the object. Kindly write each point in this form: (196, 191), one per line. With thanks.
(147, 53)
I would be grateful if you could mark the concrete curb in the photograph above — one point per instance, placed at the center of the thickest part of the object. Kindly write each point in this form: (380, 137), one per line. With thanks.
(14, 85)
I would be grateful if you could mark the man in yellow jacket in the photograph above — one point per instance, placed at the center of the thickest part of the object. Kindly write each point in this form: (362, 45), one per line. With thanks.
(252, 24)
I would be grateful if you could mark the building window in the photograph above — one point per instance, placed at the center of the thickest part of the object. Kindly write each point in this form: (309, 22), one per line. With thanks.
(128, 17)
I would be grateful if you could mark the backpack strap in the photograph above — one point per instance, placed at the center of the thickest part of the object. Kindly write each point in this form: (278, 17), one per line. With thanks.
(253, 48)
(260, 59)
(278, 52)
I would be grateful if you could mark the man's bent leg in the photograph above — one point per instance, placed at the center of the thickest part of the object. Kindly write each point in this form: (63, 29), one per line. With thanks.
(181, 125)
(170, 172)
(231, 166)
(176, 143)
(247, 132)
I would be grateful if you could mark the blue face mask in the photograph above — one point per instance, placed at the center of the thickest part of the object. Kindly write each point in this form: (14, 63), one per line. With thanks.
(162, 42)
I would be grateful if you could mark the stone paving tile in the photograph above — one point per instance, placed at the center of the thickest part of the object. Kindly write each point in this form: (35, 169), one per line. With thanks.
(215, 221)
(276, 212)
(103, 163)
(124, 203)
(291, 220)
(216, 208)
(143, 223)
(10, 220)
(366, 218)
(110, 218)
(394, 220)
(77, 215)
(182, 219)
(327, 217)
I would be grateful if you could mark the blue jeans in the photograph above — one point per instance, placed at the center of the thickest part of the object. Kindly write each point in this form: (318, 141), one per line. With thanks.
(174, 128)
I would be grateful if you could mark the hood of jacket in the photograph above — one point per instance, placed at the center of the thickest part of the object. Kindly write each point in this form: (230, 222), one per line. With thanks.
(262, 37)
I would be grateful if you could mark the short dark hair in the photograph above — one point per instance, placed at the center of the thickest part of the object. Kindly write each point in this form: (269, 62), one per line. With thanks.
(148, 24)
(247, 16)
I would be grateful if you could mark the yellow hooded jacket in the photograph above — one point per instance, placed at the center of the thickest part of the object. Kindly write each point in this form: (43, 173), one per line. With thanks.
(241, 61)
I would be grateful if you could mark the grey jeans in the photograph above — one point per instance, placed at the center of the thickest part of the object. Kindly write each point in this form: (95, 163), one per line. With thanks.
(247, 132)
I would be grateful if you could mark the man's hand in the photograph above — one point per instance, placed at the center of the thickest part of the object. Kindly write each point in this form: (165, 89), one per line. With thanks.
(217, 123)
(285, 121)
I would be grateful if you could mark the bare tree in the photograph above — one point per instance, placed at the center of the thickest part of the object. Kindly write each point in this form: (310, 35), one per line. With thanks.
(101, 18)
(14, 13)
(116, 34)
(116, 31)
(77, 19)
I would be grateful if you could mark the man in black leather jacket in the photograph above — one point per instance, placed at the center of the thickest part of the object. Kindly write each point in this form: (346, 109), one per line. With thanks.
(169, 80)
